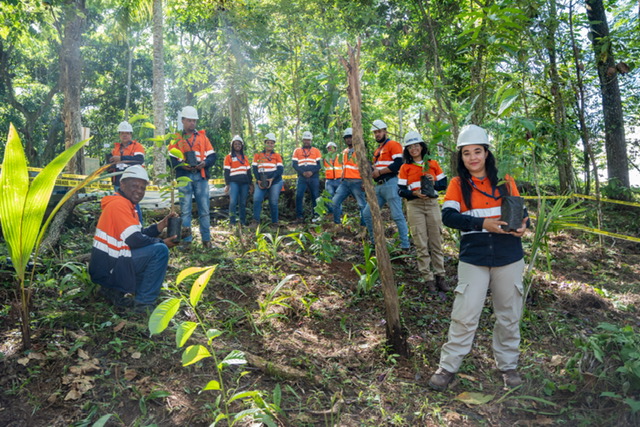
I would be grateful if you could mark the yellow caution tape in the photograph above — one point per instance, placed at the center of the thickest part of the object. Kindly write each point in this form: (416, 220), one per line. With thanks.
(604, 233)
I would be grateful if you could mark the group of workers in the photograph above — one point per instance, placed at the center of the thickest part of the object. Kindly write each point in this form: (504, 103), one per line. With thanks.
(129, 261)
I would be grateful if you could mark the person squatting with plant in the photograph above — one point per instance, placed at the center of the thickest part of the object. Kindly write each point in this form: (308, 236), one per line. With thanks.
(125, 153)
(490, 258)
(387, 160)
(237, 177)
(199, 156)
(126, 259)
(306, 161)
(267, 169)
(419, 181)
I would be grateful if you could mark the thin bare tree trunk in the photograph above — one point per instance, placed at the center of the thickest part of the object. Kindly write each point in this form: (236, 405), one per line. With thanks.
(395, 336)
(129, 70)
(159, 153)
(70, 78)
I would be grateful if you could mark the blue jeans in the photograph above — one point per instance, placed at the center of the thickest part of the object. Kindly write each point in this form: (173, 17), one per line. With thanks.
(346, 188)
(198, 187)
(331, 185)
(258, 197)
(313, 183)
(238, 193)
(388, 193)
(150, 263)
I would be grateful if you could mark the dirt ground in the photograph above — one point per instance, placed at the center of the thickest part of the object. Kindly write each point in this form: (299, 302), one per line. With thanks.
(89, 359)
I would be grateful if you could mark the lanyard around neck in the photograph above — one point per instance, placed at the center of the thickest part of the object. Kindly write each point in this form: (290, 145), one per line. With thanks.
(493, 190)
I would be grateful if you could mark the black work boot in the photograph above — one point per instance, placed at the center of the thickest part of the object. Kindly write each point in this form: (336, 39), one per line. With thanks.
(511, 378)
(441, 379)
(441, 284)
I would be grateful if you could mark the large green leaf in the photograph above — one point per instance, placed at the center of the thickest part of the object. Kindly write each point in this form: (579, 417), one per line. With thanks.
(185, 329)
(188, 272)
(14, 185)
(193, 354)
(236, 357)
(212, 385)
(162, 315)
(199, 285)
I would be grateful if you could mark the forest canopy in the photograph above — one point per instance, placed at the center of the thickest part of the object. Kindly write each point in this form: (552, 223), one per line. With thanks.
(536, 74)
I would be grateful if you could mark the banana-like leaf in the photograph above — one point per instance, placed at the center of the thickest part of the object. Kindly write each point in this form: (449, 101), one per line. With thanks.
(22, 205)
(14, 184)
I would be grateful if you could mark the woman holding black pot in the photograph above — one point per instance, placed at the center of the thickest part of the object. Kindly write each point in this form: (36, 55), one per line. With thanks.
(419, 181)
(490, 258)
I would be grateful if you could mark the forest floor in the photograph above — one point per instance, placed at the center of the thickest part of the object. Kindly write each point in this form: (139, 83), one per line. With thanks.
(323, 336)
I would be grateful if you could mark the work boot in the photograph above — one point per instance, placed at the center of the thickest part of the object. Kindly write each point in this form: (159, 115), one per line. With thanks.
(430, 285)
(441, 284)
(206, 245)
(441, 379)
(511, 378)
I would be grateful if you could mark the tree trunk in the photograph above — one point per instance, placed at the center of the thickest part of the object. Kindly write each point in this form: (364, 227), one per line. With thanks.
(615, 144)
(565, 169)
(396, 338)
(71, 77)
(159, 152)
(129, 71)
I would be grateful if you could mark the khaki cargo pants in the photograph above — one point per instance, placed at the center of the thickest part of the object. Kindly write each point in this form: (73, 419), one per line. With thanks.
(425, 221)
(506, 292)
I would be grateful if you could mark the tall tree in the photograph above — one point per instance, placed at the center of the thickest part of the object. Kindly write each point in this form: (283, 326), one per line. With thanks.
(71, 29)
(615, 143)
(159, 159)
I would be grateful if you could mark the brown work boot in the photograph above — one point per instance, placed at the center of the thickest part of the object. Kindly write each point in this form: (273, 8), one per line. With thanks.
(511, 378)
(441, 379)
(430, 285)
(441, 284)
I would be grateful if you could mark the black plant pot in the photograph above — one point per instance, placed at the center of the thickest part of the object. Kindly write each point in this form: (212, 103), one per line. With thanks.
(512, 212)
(174, 228)
(426, 187)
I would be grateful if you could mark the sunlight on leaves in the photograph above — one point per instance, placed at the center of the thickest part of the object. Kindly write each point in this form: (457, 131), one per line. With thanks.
(189, 272)
(236, 357)
(212, 385)
(185, 329)
(193, 354)
(199, 285)
(162, 315)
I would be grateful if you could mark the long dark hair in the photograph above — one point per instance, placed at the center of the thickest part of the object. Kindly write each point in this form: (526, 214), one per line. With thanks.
(492, 173)
(407, 157)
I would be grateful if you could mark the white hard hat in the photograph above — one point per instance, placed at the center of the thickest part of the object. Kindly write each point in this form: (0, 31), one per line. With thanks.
(378, 124)
(125, 127)
(412, 137)
(189, 112)
(331, 144)
(270, 137)
(237, 138)
(307, 135)
(135, 171)
(347, 132)
(471, 135)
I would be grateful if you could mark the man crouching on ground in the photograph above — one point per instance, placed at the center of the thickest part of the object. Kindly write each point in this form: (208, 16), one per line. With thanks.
(127, 259)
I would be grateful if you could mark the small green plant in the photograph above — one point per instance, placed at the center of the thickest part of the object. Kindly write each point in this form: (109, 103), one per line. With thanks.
(274, 299)
(322, 246)
(613, 356)
(368, 271)
(271, 245)
(258, 409)
(323, 202)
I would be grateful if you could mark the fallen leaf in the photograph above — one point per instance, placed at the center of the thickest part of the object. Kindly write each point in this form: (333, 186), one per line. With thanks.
(136, 355)
(73, 395)
(23, 361)
(119, 326)
(52, 398)
(83, 354)
(556, 360)
(544, 421)
(130, 374)
(468, 377)
(37, 356)
(473, 398)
